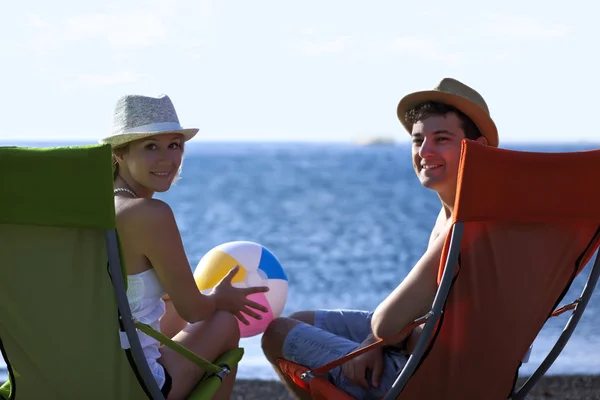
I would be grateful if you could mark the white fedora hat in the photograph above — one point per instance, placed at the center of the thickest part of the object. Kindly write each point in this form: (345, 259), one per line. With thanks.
(136, 117)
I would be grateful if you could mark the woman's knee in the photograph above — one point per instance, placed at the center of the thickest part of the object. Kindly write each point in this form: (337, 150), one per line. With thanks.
(228, 325)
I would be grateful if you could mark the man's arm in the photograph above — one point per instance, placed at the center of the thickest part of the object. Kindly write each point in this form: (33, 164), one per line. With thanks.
(413, 297)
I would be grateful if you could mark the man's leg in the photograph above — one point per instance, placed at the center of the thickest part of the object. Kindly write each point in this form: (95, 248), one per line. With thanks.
(273, 340)
(351, 324)
(308, 317)
(354, 325)
(312, 347)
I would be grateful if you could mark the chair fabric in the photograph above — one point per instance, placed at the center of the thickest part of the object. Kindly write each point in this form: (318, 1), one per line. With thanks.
(59, 316)
(530, 223)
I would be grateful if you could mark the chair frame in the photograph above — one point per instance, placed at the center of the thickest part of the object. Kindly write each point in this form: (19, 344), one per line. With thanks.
(126, 322)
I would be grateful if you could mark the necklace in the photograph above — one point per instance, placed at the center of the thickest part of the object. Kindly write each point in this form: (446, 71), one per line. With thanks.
(125, 190)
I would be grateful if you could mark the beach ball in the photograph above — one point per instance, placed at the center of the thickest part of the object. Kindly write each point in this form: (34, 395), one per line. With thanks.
(258, 267)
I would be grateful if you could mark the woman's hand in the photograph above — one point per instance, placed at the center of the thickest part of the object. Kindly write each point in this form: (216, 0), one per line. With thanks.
(234, 300)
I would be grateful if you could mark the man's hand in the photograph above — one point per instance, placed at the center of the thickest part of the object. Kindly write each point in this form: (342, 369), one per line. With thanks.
(356, 369)
(413, 338)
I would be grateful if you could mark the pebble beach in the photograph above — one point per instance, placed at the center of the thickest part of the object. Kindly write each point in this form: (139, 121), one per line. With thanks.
(552, 387)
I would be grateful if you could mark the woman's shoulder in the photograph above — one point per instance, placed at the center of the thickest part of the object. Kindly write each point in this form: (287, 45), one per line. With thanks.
(143, 212)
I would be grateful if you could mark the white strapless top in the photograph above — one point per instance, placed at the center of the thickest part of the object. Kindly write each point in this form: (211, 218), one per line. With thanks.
(145, 293)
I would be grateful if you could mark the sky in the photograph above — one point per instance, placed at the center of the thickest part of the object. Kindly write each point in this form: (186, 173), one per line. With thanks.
(327, 70)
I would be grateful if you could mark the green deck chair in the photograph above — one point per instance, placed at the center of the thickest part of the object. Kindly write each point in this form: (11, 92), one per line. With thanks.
(66, 330)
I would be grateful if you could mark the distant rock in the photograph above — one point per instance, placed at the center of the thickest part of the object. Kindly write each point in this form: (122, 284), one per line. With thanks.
(376, 141)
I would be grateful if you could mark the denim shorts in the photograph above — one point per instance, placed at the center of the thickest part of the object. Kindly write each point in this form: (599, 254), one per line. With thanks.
(335, 334)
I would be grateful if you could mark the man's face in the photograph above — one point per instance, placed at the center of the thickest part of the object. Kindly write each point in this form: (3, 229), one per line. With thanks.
(436, 146)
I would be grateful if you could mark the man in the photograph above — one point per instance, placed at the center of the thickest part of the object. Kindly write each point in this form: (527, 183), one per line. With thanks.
(437, 120)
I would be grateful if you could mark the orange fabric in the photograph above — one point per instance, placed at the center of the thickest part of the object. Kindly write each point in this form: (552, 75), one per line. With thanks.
(322, 389)
(506, 185)
(531, 223)
(511, 277)
(563, 309)
(530, 226)
(444, 257)
(294, 371)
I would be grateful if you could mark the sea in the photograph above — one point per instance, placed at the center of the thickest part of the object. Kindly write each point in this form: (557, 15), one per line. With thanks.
(347, 222)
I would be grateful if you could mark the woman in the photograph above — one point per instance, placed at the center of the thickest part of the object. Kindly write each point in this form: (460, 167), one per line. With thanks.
(148, 144)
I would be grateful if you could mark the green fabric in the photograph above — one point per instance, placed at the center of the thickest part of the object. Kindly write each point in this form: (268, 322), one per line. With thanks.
(208, 386)
(206, 389)
(5, 390)
(63, 186)
(58, 315)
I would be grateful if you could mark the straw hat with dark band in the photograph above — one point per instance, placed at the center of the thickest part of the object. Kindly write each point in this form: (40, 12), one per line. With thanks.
(462, 97)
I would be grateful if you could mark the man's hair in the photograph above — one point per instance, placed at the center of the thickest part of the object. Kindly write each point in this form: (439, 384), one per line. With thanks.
(433, 108)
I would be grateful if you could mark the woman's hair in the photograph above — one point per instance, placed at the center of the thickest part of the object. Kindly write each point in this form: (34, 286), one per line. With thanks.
(120, 150)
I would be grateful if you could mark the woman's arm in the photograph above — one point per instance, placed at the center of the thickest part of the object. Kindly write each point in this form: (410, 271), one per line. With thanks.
(171, 323)
(158, 239)
(157, 236)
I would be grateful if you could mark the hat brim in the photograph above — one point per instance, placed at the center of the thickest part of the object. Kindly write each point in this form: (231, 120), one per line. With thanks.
(119, 140)
(482, 120)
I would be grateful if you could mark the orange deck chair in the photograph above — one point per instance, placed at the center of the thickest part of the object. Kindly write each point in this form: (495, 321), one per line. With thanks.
(525, 225)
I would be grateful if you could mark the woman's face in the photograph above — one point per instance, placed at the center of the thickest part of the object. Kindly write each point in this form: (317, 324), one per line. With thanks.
(153, 162)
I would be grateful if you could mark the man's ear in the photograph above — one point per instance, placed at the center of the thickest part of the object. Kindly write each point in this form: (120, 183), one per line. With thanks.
(482, 140)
